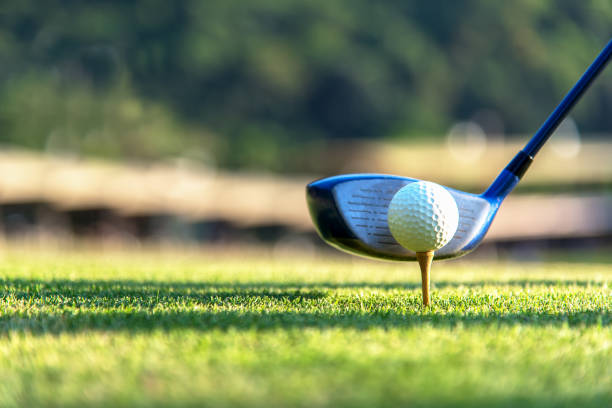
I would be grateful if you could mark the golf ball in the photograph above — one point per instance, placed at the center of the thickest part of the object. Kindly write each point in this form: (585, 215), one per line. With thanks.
(423, 216)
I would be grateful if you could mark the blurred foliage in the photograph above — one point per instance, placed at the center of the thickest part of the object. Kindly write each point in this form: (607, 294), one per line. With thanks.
(259, 84)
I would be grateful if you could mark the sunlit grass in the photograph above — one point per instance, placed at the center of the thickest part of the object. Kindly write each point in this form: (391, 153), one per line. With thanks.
(218, 329)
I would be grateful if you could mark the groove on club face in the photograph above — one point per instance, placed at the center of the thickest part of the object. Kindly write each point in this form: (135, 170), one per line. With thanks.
(350, 213)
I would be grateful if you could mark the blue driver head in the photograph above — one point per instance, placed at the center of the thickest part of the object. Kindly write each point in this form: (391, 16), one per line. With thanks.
(350, 213)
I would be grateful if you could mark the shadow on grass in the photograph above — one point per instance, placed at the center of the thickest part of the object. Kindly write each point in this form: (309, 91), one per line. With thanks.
(261, 288)
(125, 305)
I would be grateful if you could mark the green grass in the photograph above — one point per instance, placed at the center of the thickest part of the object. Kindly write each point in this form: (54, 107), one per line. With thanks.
(162, 329)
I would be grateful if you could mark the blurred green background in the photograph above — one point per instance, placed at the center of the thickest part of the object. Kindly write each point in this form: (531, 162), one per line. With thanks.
(268, 85)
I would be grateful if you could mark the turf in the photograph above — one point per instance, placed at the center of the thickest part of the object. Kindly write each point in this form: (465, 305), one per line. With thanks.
(180, 329)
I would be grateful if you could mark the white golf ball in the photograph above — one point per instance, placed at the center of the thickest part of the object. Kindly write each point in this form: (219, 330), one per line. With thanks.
(423, 216)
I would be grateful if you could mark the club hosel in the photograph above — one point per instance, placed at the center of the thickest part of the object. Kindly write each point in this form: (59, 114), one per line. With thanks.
(519, 164)
(509, 177)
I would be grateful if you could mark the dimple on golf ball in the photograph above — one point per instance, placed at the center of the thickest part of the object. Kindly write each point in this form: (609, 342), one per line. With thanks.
(423, 216)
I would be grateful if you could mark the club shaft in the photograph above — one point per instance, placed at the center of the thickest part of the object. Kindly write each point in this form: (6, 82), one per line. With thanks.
(512, 173)
(566, 105)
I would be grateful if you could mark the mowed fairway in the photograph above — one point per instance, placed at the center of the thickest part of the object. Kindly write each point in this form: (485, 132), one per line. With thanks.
(209, 329)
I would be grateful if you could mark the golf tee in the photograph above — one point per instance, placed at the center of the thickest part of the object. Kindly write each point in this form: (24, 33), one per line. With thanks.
(425, 259)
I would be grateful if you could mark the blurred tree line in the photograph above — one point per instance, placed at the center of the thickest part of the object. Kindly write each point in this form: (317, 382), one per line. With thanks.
(258, 83)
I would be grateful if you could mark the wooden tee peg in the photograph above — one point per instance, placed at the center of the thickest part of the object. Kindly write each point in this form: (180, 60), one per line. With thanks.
(425, 259)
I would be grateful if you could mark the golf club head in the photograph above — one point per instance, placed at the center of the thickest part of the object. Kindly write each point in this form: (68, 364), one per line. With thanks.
(350, 213)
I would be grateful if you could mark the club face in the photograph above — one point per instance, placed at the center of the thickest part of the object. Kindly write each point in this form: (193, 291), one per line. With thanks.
(350, 213)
